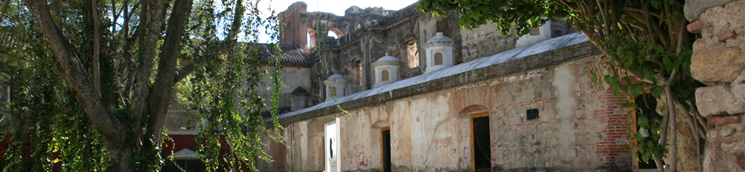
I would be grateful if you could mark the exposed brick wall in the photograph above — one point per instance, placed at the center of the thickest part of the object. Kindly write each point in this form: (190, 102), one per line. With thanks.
(614, 146)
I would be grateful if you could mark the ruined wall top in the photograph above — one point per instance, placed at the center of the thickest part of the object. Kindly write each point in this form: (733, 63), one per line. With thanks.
(298, 6)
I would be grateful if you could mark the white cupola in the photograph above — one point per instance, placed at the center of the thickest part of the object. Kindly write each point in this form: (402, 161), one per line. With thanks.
(335, 86)
(439, 51)
(537, 34)
(386, 70)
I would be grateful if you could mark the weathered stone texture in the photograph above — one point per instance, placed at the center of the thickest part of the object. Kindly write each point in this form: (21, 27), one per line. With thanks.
(718, 60)
(578, 129)
(716, 64)
(725, 20)
(485, 40)
(693, 8)
(717, 100)
(724, 148)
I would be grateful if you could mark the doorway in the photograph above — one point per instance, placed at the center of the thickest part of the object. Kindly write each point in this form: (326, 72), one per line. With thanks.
(386, 147)
(330, 146)
(480, 142)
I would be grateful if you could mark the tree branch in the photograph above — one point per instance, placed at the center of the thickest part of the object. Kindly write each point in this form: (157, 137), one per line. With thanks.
(185, 70)
(76, 77)
(154, 20)
(96, 47)
(161, 94)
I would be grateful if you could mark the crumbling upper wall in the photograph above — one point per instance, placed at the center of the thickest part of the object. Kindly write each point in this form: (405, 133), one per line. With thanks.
(368, 34)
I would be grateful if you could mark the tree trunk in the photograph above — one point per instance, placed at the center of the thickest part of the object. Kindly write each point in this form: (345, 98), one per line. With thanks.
(78, 81)
(96, 47)
(161, 94)
(673, 128)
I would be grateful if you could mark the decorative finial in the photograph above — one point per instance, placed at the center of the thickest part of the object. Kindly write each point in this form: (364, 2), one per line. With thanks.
(439, 33)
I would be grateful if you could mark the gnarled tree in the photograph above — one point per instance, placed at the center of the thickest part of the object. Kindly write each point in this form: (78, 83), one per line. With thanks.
(116, 66)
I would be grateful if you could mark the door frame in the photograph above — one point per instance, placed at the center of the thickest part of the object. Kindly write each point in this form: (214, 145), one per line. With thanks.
(473, 137)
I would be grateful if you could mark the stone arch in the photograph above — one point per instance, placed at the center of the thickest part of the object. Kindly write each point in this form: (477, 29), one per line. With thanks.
(409, 48)
(337, 31)
(311, 38)
(356, 72)
(472, 109)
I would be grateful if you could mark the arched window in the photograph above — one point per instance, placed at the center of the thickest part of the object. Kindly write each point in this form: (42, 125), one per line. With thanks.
(438, 59)
(357, 72)
(333, 35)
(332, 91)
(336, 33)
(412, 51)
(384, 75)
(310, 38)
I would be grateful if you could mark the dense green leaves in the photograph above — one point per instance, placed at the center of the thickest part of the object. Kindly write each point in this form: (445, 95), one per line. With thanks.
(46, 118)
(512, 14)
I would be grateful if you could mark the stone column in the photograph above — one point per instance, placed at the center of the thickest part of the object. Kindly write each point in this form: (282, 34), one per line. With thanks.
(719, 62)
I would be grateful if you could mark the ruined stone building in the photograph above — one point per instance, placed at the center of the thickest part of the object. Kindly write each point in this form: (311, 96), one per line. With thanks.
(401, 90)
(405, 91)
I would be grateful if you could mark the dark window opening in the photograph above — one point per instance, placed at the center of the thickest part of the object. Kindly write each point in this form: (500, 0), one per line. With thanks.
(438, 59)
(481, 144)
(386, 150)
(385, 75)
(533, 114)
(647, 108)
(331, 148)
(412, 51)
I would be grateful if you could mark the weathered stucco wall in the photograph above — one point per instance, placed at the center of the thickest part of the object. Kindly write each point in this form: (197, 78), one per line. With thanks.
(580, 128)
(484, 41)
(292, 77)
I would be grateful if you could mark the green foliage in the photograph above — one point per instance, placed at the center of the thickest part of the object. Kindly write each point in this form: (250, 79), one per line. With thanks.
(46, 118)
(43, 116)
(518, 14)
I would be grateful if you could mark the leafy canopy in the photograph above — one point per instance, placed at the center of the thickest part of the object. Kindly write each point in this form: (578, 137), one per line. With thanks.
(125, 63)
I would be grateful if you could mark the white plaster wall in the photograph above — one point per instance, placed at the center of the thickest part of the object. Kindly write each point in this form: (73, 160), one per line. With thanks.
(430, 133)
(531, 39)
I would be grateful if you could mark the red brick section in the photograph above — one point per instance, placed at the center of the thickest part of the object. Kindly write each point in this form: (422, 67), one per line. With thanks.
(724, 120)
(697, 26)
(180, 142)
(614, 142)
(4, 141)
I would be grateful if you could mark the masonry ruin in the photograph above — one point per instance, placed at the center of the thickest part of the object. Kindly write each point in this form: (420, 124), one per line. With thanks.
(405, 91)
(401, 90)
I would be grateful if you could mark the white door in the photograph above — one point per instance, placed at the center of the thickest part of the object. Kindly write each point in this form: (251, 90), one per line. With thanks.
(330, 146)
